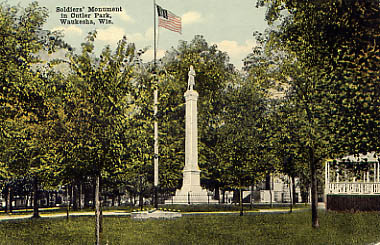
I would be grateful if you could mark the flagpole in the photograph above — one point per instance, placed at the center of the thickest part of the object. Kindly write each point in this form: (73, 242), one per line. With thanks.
(154, 34)
(155, 98)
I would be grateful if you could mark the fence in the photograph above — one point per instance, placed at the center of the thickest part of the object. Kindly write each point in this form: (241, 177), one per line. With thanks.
(353, 188)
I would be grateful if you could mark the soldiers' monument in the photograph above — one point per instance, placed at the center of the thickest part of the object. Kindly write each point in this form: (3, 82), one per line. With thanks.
(191, 191)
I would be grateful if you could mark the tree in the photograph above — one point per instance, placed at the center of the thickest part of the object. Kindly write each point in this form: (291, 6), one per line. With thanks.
(353, 76)
(26, 108)
(319, 37)
(171, 131)
(288, 142)
(105, 81)
(71, 134)
(242, 136)
(140, 139)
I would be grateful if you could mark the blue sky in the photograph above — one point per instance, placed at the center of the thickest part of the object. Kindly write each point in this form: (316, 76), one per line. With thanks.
(229, 24)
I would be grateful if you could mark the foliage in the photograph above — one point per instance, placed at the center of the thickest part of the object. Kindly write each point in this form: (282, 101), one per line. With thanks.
(139, 172)
(27, 111)
(171, 130)
(336, 45)
(102, 105)
(242, 138)
(321, 39)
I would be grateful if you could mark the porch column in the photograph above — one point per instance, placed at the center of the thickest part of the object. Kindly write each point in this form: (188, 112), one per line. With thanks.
(327, 187)
(368, 176)
(337, 176)
(327, 177)
(374, 172)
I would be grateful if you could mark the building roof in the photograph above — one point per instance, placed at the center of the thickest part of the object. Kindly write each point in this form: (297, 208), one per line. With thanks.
(368, 157)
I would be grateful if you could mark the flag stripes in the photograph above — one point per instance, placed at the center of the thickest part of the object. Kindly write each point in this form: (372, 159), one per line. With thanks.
(168, 20)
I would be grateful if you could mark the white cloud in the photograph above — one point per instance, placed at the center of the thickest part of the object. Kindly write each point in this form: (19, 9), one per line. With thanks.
(149, 34)
(123, 15)
(191, 17)
(111, 34)
(148, 55)
(70, 30)
(137, 37)
(60, 53)
(234, 49)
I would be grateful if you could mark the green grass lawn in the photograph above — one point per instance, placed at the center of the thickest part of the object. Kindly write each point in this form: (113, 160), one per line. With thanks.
(295, 228)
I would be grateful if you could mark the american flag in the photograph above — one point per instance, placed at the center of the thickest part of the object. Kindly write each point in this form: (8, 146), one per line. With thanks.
(168, 20)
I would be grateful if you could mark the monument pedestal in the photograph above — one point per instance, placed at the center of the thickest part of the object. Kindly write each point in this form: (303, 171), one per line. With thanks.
(191, 191)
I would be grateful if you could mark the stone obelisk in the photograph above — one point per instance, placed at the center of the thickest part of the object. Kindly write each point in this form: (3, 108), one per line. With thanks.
(191, 191)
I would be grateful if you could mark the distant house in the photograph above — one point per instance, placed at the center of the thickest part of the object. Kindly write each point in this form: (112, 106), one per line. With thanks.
(276, 188)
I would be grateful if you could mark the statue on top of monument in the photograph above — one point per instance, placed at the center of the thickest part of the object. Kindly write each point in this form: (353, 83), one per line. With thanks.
(191, 80)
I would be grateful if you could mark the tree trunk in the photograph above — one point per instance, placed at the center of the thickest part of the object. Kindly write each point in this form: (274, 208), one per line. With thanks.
(294, 190)
(291, 194)
(133, 199)
(223, 196)
(26, 201)
(31, 200)
(155, 197)
(113, 200)
(217, 193)
(241, 201)
(75, 197)
(97, 209)
(80, 196)
(141, 201)
(67, 203)
(251, 197)
(314, 191)
(87, 197)
(94, 195)
(270, 190)
(55, 198)
(305, 193)
(8, 200)
(101, 219)
(35, 199)
(48, 199)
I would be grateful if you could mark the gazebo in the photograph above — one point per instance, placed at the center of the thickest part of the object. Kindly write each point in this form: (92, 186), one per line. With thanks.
(353, 183)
